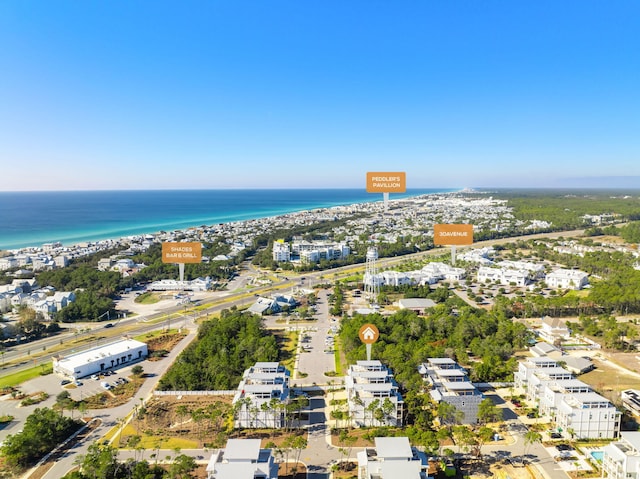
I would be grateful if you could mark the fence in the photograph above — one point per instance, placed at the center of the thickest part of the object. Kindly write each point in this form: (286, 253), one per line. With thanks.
(195, 393)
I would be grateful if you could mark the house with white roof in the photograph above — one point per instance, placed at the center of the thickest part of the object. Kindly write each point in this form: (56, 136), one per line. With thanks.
(392, 458)
(262, 393)
(567, 279)
(449, 383)
(373, 395)
(242, 459)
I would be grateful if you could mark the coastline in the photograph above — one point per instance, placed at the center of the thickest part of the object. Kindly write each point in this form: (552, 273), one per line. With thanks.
(285, 202)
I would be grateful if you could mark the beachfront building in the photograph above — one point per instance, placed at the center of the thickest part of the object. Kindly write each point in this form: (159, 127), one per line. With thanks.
(373, 395)
(392, 458)
(449, 383)
(621, 459)
(262, 393)
(242, 459)
(110, 356)
(567, 279)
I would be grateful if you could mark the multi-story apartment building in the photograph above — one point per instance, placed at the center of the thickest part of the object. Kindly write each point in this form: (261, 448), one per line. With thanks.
(392, 458)
(588, 416)
(373, 395)
(570, 403)
(281, 251)
(450, 383)
(262, 393)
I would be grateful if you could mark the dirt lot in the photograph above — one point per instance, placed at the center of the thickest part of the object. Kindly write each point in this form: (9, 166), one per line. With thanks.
(614, 375)
(205, 420)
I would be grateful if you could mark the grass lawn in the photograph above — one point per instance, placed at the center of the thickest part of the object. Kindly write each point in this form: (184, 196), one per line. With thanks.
(18, 378)
(147, 298)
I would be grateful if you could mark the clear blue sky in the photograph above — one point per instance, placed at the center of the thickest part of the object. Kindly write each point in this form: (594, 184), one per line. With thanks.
(208, 94)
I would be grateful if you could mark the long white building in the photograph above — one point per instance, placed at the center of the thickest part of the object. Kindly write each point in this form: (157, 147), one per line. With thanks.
(570, 403)
(110, 356)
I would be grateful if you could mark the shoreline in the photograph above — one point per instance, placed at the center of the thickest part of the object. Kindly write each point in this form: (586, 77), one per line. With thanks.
(72, 240)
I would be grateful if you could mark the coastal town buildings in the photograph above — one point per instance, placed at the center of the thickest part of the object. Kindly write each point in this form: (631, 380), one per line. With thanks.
(242, 459)
(449, 383)
(261, 396)
(373, 395)
(309, 251)
(392, 458)
(110, 356)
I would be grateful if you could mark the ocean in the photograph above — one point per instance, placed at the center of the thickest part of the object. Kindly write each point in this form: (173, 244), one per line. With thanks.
(71, 217)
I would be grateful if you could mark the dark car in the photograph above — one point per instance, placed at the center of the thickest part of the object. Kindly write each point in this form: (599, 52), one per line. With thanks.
(64, 382)
(108, 325)
(555, 435)
(564, 447)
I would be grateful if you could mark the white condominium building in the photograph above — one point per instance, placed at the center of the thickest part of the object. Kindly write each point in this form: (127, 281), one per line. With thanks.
(449, 383)
(588, 416)
(281, 251)
(573, 406)
(262, 393)
(373, 395)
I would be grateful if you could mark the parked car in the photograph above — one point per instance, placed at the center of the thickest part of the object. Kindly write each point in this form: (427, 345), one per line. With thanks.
(555, 435)
(105, 385)
(78, 382)
(64, 382)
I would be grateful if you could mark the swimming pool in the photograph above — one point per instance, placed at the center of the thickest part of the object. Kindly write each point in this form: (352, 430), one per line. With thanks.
(597, 455)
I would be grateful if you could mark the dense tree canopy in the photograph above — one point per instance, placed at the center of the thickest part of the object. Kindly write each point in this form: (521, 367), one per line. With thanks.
(43, 430)
(225, 347)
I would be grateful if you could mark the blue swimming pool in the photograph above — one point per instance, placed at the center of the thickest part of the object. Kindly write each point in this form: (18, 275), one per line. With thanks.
(597, 455)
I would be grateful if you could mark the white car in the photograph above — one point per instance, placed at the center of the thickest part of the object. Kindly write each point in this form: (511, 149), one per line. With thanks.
(105, 385)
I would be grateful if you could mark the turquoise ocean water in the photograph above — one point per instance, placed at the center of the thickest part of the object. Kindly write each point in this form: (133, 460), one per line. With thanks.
(34, 218)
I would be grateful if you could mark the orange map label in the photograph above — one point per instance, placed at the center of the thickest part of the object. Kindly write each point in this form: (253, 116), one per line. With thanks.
(181, 252)
(389, 182)
(453, 234)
